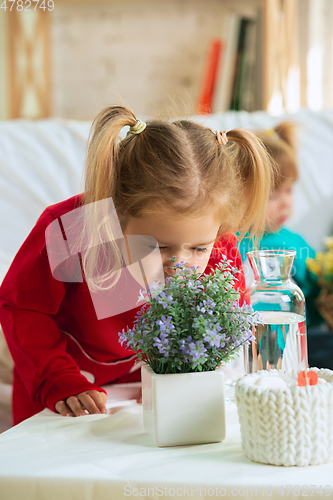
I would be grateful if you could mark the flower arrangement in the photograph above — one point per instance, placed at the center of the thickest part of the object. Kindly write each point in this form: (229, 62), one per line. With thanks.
(191, 324)
(322, 267)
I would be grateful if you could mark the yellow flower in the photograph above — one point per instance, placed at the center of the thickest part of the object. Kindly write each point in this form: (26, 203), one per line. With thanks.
(320, 257)
(313, 266)
(322, 264)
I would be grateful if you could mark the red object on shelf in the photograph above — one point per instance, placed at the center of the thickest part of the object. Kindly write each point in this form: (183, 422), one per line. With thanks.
(206, 94)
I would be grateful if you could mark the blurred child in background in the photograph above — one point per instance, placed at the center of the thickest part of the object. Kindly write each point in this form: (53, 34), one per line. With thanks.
(280, 142)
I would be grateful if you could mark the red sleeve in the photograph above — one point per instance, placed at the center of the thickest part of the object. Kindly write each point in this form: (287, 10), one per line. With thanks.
(29, 297)
(227, 246)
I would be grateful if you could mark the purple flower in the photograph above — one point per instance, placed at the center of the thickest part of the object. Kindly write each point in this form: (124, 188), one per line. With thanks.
(196, 351)
(213, 338)
(122, 336)
(164, 300)
(162, 346)
(165, 323)
(180, 265)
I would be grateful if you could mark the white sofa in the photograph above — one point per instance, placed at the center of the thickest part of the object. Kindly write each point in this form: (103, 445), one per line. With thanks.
(41, 163)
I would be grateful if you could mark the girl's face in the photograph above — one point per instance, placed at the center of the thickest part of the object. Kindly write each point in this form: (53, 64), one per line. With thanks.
(279, 206)
(190, 241)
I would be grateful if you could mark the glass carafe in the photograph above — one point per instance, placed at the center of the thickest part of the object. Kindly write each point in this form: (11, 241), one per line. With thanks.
(281, 341)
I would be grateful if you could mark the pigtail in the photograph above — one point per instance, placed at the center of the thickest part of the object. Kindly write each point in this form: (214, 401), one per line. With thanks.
(281, 144)
(256, 171)
(286, 131)
(101, 163)
(102, 233)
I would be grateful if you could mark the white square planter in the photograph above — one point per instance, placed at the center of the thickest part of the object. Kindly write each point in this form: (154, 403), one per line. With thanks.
(183, 408)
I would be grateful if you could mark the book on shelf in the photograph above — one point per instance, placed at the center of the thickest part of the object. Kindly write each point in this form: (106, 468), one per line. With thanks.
(238, 78)
(259, 62)
(206, 92)
(239, 82)
(248, 76)
(223, 89)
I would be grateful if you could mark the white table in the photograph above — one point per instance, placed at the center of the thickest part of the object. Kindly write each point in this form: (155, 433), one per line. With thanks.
(109, 457)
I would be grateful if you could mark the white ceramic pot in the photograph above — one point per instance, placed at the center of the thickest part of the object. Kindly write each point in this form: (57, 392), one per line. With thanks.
(183, 408)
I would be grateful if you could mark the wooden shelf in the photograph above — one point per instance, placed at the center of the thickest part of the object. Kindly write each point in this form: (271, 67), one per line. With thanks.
(279, 53)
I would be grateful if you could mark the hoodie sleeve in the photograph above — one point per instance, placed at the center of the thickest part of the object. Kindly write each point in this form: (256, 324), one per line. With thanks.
(29, 298)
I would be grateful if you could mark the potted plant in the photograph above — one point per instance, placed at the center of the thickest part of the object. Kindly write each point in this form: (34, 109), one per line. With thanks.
(185, 331)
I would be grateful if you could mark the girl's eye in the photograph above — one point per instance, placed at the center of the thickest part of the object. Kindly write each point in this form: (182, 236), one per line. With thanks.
(197, 249)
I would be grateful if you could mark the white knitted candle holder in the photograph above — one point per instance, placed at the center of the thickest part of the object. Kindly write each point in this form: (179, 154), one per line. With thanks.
(286, 426)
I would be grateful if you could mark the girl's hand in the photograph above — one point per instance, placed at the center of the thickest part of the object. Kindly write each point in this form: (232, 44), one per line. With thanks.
(75, 406)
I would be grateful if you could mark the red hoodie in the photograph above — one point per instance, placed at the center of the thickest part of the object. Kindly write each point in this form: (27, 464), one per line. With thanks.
(52, 329)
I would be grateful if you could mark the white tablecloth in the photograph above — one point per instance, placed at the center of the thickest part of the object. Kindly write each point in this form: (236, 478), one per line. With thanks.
(97, 457)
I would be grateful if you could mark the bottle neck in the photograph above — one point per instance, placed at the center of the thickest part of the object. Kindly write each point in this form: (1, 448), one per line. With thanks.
(271, 266)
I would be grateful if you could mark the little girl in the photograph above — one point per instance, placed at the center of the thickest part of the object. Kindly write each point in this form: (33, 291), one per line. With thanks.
(180, 183)
(280, 143)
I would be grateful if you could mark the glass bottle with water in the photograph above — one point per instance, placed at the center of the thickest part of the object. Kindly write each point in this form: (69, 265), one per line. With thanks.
(281, 340)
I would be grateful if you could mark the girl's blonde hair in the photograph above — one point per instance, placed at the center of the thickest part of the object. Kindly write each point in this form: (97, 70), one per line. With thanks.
(280, 142)
(178, 169)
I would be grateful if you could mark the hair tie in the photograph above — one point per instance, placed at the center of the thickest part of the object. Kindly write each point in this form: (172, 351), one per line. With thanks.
(222, 137)
(138, 127)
